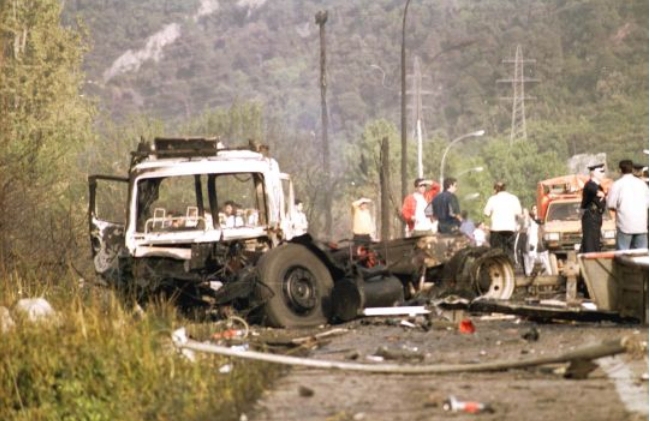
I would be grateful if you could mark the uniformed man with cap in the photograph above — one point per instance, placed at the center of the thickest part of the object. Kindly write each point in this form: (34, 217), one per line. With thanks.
(593, 206)
(640, 170)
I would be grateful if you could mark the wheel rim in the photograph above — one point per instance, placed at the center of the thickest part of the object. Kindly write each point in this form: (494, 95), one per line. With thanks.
(495, 278)
(300, 290)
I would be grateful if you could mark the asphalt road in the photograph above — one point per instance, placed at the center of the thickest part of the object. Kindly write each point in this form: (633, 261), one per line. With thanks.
(615, 388)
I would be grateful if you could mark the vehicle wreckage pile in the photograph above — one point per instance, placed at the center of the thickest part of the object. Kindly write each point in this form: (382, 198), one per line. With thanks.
(173, 235)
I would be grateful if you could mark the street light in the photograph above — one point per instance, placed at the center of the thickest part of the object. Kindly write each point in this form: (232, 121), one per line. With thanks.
(403, 99)
(475, 169)
(477, 133)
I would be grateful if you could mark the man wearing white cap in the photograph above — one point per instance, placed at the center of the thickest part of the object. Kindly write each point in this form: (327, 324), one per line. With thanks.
(414, 208)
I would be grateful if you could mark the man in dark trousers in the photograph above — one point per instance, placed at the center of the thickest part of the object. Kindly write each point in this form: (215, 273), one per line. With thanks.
(593, 206)
(446, 208)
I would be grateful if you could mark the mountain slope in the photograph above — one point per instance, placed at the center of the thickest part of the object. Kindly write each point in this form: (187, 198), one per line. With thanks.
(174, 59)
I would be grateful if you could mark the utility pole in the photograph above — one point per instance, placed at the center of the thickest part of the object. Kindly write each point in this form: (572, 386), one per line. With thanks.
(321, 19)
(518, 124)
(403, 104)
(417, 108)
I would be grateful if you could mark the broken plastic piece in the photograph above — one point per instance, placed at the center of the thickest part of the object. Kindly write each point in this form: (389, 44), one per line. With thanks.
(229, 334)
(454, 405)
(466, 326)
(395, 311)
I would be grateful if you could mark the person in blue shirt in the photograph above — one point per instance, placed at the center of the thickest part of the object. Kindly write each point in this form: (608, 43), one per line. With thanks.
(467, 226)
(446, 208)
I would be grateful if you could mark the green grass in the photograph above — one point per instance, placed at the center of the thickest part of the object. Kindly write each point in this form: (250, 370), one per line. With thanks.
(100, 362)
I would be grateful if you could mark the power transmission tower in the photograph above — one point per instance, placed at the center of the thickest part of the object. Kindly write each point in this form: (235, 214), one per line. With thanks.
(518, 124)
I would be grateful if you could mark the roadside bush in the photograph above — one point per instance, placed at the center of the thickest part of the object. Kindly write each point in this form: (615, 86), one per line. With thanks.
(96, 361)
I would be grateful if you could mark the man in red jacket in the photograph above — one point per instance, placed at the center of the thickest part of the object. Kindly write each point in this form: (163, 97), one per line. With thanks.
(413, 207)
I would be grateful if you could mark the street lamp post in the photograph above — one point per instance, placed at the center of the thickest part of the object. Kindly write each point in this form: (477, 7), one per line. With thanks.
(472, 196)
(403, 104)
(477, 133)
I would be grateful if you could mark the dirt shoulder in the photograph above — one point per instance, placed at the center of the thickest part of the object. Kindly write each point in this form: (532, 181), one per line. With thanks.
(540, 393)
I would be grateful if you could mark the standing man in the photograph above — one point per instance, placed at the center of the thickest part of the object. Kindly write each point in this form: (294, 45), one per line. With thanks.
(628, 198)
(363, 225)
(446, 208)
(413, 208)
(300, 224)
(593, 206)
(503, 209)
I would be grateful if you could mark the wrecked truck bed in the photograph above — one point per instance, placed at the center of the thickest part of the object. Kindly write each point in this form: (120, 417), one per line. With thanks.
(617, 286)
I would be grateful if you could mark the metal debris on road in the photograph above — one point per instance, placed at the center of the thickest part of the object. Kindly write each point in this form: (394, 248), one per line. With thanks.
(454, 405)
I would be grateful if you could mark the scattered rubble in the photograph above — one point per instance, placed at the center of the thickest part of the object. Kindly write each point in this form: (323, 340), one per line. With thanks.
(587, 353)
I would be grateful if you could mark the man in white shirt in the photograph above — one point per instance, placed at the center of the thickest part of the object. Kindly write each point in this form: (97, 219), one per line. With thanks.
(503, 208)
(628, 198)
(363, 224)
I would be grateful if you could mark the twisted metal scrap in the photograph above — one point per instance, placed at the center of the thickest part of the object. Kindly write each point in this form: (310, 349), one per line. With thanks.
(590, 352)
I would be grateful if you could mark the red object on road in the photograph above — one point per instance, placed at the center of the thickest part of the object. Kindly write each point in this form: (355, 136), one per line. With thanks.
(454, 405)
(466, 326)
(227, 334)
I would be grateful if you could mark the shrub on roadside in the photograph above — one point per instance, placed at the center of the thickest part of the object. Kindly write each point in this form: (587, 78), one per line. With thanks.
(97, 361)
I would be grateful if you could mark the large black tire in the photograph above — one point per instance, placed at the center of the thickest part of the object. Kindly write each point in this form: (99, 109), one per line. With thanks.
(296, 287)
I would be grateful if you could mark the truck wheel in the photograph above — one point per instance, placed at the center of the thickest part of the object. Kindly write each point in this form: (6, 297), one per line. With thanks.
(296, 287)
(494, 276)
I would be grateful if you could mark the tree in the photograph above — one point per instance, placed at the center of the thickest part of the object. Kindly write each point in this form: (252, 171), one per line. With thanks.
(521, 165)
(43, 123)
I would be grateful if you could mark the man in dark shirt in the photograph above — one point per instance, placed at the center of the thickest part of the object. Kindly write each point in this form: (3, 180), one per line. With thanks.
(593, 205)
(446, 208)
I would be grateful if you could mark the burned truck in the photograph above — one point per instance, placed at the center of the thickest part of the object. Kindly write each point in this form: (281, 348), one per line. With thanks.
(212, 229)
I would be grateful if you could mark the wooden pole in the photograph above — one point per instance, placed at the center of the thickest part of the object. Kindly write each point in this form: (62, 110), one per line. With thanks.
(384, 185)
(321, 19)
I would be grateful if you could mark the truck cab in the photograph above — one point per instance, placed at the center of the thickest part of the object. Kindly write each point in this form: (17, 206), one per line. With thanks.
(189, 216)
(559, 205)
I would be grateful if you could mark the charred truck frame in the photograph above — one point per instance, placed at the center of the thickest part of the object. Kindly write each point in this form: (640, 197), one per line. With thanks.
(164, 229)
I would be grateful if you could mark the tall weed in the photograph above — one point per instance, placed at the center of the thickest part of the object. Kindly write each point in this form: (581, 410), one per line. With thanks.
(96, 361)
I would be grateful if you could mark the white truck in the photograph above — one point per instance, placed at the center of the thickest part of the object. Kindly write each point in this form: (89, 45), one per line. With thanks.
(212, 229)
(165, 230)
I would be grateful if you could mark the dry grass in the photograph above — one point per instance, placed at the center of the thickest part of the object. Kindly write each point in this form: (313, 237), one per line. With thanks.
(100, 362)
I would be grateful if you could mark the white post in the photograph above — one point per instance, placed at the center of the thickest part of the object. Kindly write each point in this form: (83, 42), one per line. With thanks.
(419, 134)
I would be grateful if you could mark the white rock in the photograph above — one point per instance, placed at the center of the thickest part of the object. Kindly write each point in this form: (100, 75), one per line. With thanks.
(35, 309)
